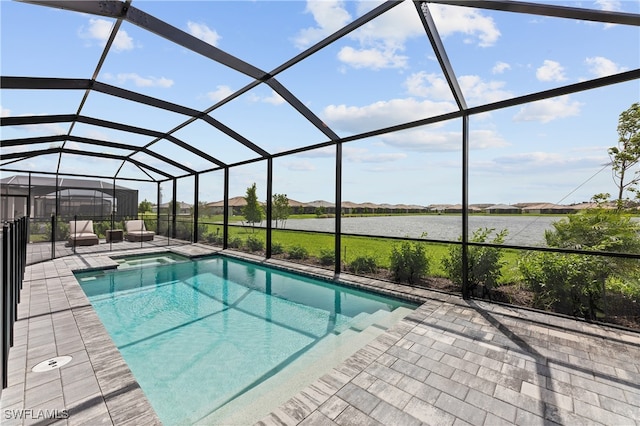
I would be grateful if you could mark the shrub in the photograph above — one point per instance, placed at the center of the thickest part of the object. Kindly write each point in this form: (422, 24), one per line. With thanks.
(327, 257)
(62, 229)
(254, 243)
(363, 264)
(573, 283)
(213, 238)
(277, 248)
(298, 252)
(235, 242)
(568, 283)
(484, 262)
(409, 262)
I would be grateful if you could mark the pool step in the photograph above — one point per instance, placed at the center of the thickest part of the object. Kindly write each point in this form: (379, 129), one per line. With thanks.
(327, 353)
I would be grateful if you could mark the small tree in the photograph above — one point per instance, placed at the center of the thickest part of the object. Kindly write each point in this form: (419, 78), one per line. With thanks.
(252, 211)
(626, 155)
(145, 206)
(280, 209)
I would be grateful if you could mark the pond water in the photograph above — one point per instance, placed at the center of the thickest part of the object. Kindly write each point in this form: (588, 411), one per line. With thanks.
(523, 230)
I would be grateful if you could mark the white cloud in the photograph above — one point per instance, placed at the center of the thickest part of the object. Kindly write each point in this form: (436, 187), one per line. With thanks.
(372, 58)
(434, 141)
(550, 71)
(538, 160)
(601, 67)
(300, 166)
(382, 114)
(478, 91)
(220, 93)
(500, 67)
(609, 5)
(363, 155)
(100, 29)
(454, 19)
(46, 128)
(474, 89)
(273, 99)
(204, 33)
(548, 110)
(139, 81)
(330, 16)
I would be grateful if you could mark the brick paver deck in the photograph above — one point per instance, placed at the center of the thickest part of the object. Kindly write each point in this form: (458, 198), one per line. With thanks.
(449, 362)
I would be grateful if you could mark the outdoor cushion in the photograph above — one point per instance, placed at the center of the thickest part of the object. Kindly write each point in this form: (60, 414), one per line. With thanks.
(136, 231)
(81, 233)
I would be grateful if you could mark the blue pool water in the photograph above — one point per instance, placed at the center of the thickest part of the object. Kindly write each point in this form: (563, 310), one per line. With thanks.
(198, 334)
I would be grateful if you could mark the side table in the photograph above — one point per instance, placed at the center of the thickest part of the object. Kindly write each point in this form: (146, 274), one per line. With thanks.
(114, 235)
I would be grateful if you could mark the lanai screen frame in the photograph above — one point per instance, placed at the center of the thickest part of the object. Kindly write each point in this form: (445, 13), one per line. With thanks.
(124, 11)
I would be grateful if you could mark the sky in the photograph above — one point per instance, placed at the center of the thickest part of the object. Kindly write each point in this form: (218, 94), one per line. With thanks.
(381, 75)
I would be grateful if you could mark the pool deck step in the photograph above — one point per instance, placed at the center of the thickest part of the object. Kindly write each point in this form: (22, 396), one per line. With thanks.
(327, 353)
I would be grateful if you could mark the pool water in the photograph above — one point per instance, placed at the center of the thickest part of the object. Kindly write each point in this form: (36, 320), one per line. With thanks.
(151, 259)
(196, 335)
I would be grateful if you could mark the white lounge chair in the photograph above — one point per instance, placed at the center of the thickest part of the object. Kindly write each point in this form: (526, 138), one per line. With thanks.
(81, 233)
(136, 231)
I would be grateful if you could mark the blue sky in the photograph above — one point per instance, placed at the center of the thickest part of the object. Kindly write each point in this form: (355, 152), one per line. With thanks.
(381, 75)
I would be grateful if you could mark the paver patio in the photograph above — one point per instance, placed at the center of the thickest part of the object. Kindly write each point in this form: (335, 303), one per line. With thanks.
(451, 361)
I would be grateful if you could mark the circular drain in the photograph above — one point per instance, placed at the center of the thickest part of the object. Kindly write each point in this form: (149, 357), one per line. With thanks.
(51, 364)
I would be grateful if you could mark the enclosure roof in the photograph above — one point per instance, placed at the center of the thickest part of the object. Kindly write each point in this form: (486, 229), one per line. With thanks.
(50, 182)
(156, 90)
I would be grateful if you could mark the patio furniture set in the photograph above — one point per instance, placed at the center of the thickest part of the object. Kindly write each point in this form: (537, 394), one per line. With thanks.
(81, 233)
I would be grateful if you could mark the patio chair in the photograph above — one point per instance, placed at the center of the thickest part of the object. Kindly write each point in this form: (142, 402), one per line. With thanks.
(136, 231)
(81, 233)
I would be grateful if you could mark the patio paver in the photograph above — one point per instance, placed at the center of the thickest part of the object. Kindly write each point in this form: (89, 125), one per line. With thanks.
(449, 362)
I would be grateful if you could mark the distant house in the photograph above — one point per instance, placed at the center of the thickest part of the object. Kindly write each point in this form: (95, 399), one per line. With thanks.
(548, 208)
(181, 208)
(457, 208)
(502, 209)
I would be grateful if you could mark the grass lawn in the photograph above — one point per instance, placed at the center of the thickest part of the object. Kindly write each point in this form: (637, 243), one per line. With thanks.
(354, 247)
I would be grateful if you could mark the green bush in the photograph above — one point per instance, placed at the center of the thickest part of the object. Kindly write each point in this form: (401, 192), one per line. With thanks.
(213, 238)
(363, 265)
(566, 283)
(235, 242)
(327, 257)
(409, 262)
(254, 243)
(277, 248)
(298, 252)
(572, 283)
(62, 230)
(484, 262)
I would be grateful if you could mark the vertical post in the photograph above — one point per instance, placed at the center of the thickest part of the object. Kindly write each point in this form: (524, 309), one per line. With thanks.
(225, 228)
(75, 229)
(338, 224)
(113, 203)
(174, 208)
(269, 205)
(196, 208)
(158, 201)
(53, 236)
(29, 208)
(6, 300)
(465, 206)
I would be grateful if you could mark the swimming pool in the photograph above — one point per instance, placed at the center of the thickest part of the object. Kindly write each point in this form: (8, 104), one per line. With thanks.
(202, 334)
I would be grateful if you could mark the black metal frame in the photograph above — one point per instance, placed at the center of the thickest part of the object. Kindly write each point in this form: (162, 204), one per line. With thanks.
(124, 11)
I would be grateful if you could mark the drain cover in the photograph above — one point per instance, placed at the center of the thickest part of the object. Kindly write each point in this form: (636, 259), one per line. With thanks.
(51, 364)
